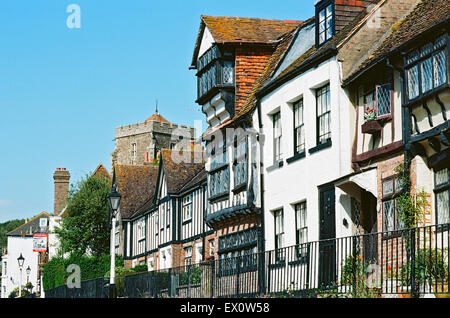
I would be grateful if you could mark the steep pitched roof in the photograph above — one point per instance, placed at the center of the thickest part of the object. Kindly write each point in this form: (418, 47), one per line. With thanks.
(31, 227)
(136, 184)
(101, 171)
(427, 14)
(196, 180)
(243, 30)
(179, 173)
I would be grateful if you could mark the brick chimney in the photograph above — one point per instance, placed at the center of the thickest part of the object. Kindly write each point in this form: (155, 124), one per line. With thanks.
(61, 179)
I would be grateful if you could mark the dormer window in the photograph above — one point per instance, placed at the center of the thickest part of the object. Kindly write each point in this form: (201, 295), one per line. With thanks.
(324, 22)
(214, 70)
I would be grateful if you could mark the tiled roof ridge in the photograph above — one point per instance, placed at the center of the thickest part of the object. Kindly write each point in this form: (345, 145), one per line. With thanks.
(251, 18)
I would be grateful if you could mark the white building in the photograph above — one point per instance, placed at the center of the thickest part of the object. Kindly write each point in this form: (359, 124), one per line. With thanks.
(20, 241)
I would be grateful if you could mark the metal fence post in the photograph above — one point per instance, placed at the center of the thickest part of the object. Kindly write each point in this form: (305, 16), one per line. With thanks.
(212, 277)
(189, 282)
(238, 270)
(169, 289)
(413, 262)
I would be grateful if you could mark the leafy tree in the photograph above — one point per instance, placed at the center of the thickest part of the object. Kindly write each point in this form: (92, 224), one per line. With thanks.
(7, 227)
(85, 227)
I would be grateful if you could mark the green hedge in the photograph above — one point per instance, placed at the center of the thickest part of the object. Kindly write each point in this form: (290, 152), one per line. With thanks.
(55, 273)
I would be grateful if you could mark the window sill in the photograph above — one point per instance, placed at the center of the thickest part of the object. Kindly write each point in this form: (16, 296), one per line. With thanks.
(324, 145)
(277, 165)
(296, 157)
(219, 197)
(302, 259)
(221, 167)
(240, 188)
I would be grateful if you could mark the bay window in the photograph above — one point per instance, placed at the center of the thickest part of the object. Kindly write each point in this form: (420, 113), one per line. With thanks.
(426, 68)
(219, 175)
(214, 69)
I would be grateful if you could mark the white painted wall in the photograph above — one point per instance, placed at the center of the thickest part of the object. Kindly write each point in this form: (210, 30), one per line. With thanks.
(299, 180)
(10, 280)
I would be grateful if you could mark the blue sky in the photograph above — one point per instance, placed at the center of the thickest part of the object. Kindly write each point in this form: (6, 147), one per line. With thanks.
(63, 91)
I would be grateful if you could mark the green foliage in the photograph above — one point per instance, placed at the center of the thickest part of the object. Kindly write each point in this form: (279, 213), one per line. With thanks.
(15, 292)
(85, 226)
(140, 268)
(410, 209)
(195, 276)
(354, 269)
(55, 273)
(8, 227)
(429, 265)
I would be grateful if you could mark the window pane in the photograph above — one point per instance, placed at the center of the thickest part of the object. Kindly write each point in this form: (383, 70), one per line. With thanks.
(443, 208)
(440, 69)
(388, 187)
(227, 72)
(426, 71)
(384, 99)
(388, 217)
(413, 82)
(441, 177)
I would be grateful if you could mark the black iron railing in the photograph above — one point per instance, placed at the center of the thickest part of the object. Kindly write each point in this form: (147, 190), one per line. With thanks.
(411, 262)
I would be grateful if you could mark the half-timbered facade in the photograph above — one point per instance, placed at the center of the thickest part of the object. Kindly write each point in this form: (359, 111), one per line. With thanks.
(229, 56)
(168, 230)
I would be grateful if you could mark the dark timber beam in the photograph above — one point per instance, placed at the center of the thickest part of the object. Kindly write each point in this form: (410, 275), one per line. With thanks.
(445, 138)
(434, 143)
(444, 114)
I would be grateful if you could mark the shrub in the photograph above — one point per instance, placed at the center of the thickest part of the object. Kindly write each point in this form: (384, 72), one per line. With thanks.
(55, 273)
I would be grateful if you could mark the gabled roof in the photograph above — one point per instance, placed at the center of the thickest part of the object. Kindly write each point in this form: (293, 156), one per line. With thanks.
(101, 171)
(426, 15)
(180, 177)
(243, 30)
(31, 227)
(136, 184)
(177, 174)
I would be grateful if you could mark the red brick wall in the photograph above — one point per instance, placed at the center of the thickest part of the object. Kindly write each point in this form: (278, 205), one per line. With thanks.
(249, 64)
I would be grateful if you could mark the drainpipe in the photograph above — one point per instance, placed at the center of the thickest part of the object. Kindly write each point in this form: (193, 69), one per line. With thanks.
(262, 232)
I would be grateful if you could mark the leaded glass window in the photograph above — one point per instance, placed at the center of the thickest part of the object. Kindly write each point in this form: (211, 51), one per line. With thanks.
(187, 207)
(426, 68)
(442, 193)
(240, 162)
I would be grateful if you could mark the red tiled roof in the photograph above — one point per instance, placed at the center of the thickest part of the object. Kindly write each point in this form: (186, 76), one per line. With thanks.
(243, 30)
(157, 117)
(425, 15)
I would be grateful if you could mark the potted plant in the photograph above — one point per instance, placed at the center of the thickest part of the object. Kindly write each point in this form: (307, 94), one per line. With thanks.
(371, 125)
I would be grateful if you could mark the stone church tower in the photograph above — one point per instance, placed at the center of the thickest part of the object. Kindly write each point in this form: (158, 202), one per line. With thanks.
(139, 144)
